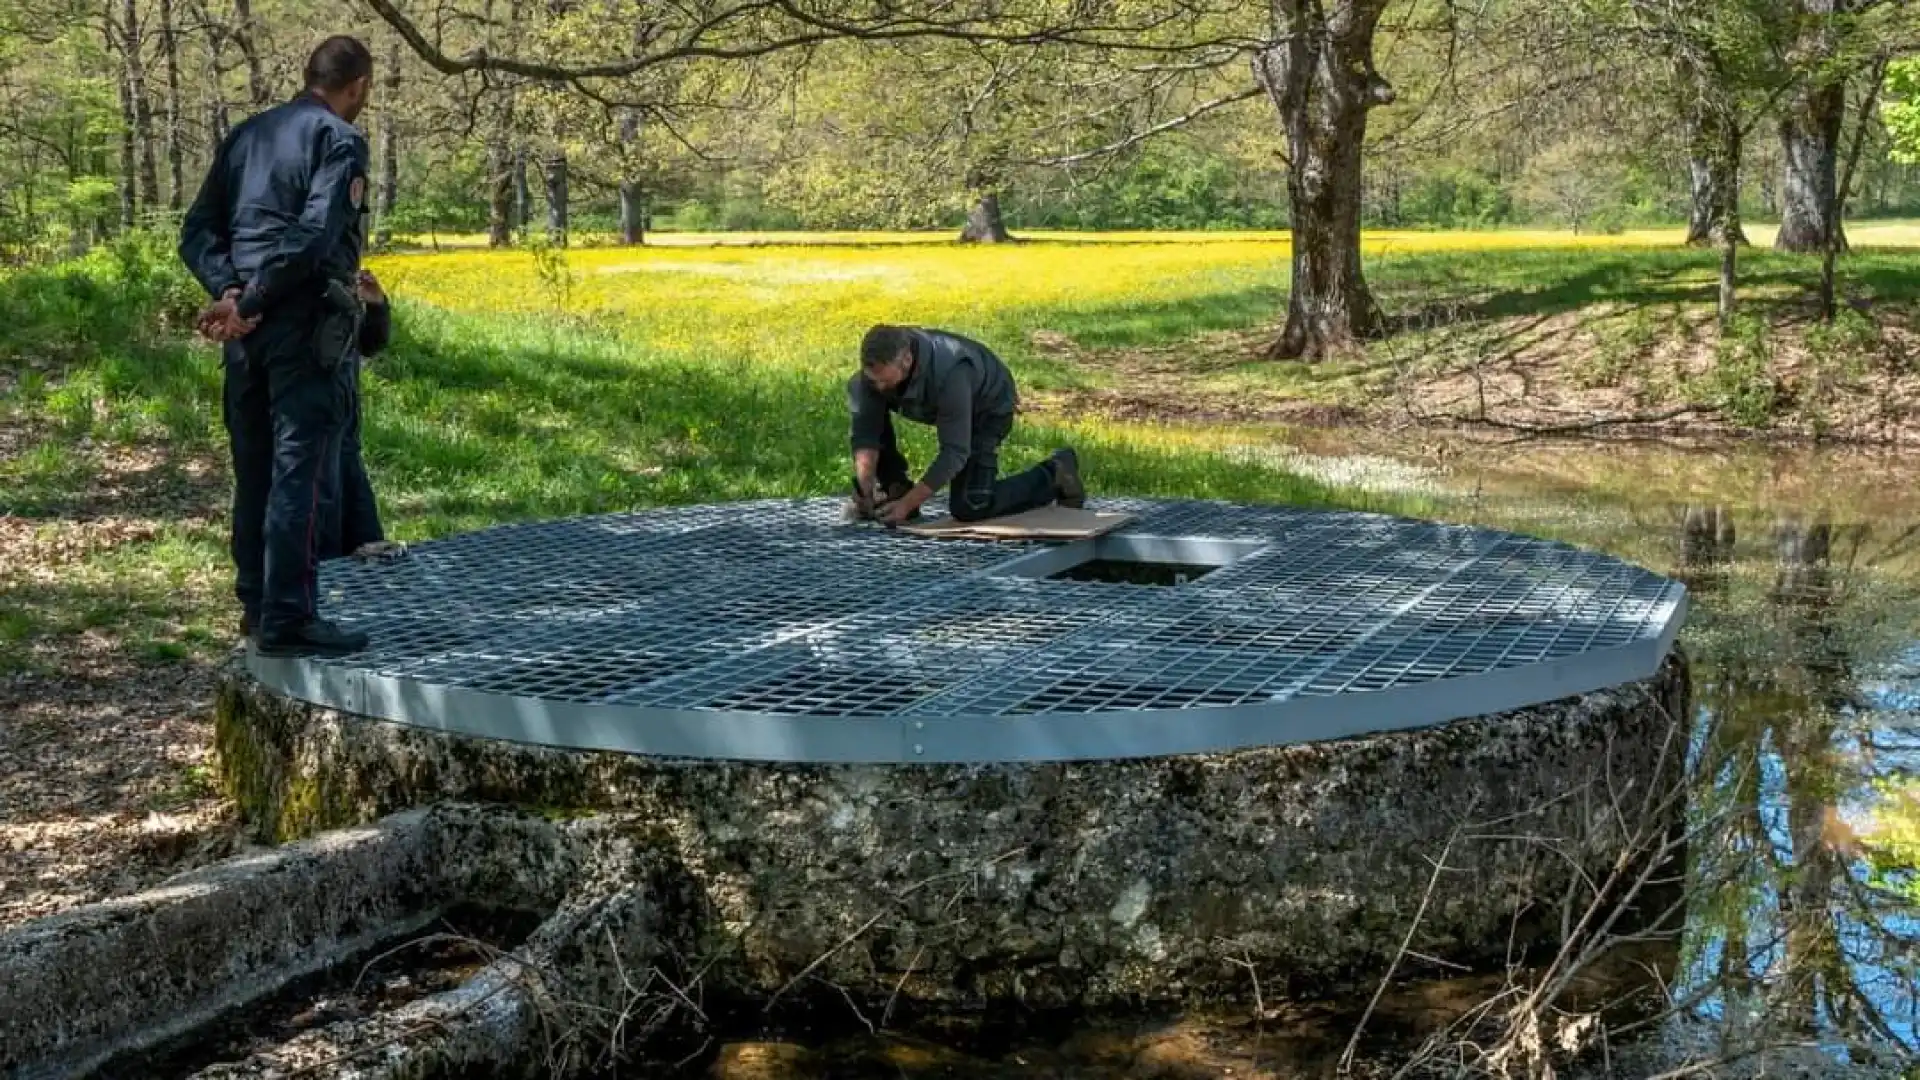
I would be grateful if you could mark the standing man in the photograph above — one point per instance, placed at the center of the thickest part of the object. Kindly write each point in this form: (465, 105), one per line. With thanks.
(275, 237)
(960, 387)
(353, 525)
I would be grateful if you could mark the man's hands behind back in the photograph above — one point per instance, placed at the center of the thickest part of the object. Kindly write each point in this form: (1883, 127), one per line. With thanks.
(221, 321)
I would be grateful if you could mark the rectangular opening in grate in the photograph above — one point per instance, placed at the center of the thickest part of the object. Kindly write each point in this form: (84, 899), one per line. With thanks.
(1125, 572)
(1133, 560)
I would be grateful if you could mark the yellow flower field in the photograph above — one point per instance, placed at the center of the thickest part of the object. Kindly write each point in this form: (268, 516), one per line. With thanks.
(800, 301)
(795, 305)
(1380, 240)
(807, 295)
(1866, 234)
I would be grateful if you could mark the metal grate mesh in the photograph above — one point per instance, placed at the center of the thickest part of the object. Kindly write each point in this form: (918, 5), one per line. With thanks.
(778, 608)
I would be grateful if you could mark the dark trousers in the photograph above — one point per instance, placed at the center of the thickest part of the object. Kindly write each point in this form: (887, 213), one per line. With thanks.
(285, 418)
(352, 515)
(978, 491)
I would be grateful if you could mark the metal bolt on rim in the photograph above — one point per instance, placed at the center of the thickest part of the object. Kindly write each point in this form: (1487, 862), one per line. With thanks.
(773, 631)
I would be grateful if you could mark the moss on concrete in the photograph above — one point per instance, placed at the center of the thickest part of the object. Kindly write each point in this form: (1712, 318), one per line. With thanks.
(1083, 883)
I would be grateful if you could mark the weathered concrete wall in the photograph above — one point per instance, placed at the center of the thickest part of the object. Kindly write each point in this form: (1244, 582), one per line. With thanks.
(79, 986)
(125, 976)
(1055, 884)
(586, 985)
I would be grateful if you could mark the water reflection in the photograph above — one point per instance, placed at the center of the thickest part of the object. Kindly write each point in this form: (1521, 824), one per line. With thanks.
(1803, 636)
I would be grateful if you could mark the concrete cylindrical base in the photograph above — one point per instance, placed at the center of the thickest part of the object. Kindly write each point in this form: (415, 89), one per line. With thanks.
(1059, 884)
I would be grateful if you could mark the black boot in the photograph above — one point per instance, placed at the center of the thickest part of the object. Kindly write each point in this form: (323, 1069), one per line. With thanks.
(316, 638)
(1068, 490)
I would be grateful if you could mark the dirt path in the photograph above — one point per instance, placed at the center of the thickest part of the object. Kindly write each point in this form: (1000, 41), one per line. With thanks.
(105, 732)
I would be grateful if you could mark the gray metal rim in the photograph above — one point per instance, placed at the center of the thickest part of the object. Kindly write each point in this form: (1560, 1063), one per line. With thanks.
(654, 633)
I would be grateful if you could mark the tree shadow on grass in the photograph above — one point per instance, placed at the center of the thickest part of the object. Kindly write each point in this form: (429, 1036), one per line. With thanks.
(1555, 283)
(517, 429)
(1436, 289)
(466, 430)
(1130, 324)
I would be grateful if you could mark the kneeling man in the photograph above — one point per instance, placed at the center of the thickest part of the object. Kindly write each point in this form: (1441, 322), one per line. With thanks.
(960, 387)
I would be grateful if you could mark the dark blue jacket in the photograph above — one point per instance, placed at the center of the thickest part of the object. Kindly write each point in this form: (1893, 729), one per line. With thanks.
(282, 208)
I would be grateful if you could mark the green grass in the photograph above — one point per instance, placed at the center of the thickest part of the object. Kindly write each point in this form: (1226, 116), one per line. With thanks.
(1449, 304)
(729, 388)
(472, 420)
(477, 419)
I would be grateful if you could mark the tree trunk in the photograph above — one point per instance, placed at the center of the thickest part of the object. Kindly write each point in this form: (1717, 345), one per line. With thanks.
(1322, 81)
(1810, 149)
(984, 223)
(129, 194)
(216, 90)
(1732, 235)
(1830, 254)
(1820, 679)
(389, 190)
(1708, 539)
(243, 37)
(555, 171)
(142, 105)
(1810, 120)
(216, 127)
(1713, 185)
(499, 194)
(633, 225)
(170, 54)
(522, 193)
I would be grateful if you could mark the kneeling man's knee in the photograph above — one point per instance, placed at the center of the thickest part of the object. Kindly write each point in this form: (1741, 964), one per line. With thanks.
(971, 507)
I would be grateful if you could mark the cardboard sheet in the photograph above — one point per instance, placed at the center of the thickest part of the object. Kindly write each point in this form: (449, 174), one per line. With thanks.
(1045, 523)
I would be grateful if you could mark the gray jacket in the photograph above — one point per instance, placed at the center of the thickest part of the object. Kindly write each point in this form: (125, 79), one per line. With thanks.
(958, 385)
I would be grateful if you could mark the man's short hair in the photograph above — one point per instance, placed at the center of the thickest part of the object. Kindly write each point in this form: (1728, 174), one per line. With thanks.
(337, 63)
(883, 345)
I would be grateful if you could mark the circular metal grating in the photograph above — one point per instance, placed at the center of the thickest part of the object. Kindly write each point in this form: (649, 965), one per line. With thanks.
(772, 631)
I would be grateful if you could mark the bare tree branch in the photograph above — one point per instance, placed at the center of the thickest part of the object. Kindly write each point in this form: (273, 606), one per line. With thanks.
(1146, 133)
(795, 27)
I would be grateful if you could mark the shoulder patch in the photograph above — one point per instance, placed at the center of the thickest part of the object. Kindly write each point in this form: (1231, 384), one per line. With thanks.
(357, 192)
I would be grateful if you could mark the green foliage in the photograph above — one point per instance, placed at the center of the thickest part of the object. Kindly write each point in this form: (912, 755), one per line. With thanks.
(441, 196)
(1901, 110)
(1578, 180)
(906, 137)
(1849, 336)
(132, 295)
(551, 269)
(1838, 354)
(1172, 184)
(1457, 198)
(1619, 350)
(1741, 384)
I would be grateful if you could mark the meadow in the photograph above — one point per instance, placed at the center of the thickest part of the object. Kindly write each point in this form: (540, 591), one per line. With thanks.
(539, 383)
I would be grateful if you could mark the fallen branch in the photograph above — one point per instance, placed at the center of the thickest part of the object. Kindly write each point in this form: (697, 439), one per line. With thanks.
(1696, 1068)
(1573, 427)
(1406, 942)
(1259, 1000)
(821, 959)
